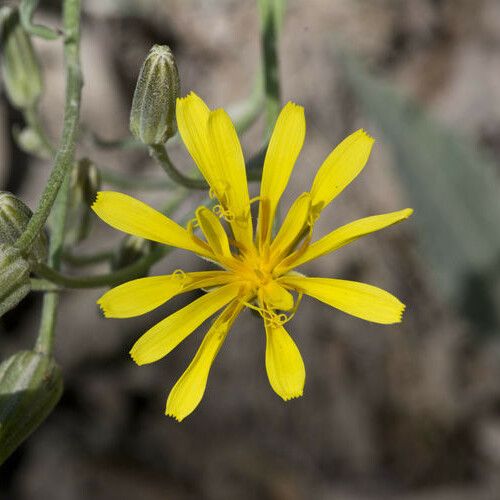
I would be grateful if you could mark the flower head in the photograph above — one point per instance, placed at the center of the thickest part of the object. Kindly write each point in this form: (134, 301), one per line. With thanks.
(256, 266)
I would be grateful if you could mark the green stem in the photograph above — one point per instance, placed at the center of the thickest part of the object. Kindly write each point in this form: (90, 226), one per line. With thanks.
(65, 155)
(271, 14)
(38, 285)
(121, 143)
(106, 255)
(109, 279)
(102, 280)
(87, 260)
(27, 10)
(159, 153)
(124, 181)
(46, 333)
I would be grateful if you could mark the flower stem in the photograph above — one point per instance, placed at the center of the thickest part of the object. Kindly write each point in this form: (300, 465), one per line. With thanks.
(46, 332)
(127, 181)
(88, 259)
(38, 285)
(65, 155)
(102, 280)
(159, 153)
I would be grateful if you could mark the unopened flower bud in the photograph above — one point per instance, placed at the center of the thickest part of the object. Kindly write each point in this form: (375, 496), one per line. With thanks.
(20, 68)
(87, 179)
(30, 141)
(14, 217)
(152, 118)
(131, 249)
(14, 278)
(84, 184)
(30, 386)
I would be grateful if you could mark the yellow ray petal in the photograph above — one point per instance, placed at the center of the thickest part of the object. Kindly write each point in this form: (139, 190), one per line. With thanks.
(232, 180)
(189, 389)
(342, 236)
(159, 340)
(213, 231)
(292, 228)
(135, 217)
(358, 299)
(282, 153)
(284, 365)
(276, 297)
(343, 164)
(142, 295)
(192, 121)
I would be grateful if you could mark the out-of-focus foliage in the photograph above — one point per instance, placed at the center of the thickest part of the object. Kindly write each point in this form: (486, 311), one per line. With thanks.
(452, 187)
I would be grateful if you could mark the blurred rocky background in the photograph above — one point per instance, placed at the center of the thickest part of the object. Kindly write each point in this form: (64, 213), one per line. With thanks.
(410, 411)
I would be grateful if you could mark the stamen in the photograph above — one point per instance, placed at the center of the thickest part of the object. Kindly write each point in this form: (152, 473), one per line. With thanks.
(253, 200)
(224, 213)
(270, 317)
(179, 275)
(191, 225)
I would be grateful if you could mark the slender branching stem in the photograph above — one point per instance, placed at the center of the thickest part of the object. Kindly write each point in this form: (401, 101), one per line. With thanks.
(102, 280)
(46, 332)
(64, 157)
(159, 153)
(87, 259)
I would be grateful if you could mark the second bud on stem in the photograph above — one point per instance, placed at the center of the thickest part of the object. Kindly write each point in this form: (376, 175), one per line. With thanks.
(152, 118)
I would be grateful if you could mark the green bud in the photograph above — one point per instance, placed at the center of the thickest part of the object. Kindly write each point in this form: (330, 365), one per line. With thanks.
(152, 118)
(30, 386)
(14, 217)
(84, 183)
(30, 142)
(20, 68)
(87, 179)
(14, 278)
(131, 249)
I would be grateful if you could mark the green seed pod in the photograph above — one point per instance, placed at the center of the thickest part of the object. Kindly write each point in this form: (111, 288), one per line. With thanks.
(152, 118)
(30, 386)
(131, 249)
(14, 217)
(84, 183)
(14, 278)
(20, 68)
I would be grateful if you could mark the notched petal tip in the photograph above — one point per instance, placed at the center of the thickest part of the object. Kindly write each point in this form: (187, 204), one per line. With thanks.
(135, 357)
(401, 313)
(397, 315)
(174, 416)
(368, 136)
(98, 199)
(105, 311)
(292, 396)
(294, 105)
(189, 97)
(293, 108)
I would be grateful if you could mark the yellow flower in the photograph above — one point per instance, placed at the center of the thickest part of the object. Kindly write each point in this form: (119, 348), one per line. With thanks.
(256, 270)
